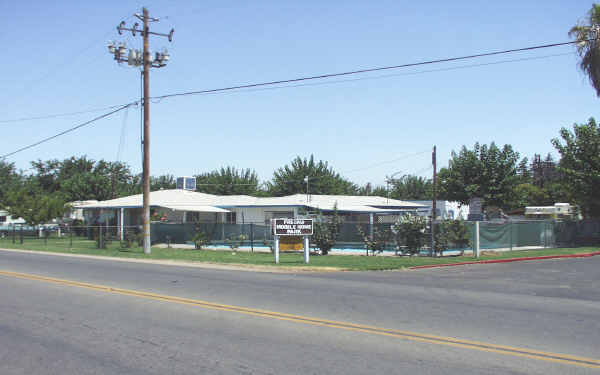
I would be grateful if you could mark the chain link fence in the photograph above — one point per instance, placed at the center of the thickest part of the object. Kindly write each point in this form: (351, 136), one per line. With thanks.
(497, 236)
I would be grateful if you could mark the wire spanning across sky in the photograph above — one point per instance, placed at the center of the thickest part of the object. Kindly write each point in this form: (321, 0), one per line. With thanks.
(280, 82)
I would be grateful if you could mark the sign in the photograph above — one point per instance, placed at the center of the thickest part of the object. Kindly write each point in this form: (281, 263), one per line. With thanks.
(293, 227)
(475, 206)
(475, 209)
(291, 243)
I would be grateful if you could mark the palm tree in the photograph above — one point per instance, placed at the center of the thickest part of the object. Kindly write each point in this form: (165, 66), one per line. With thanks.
(587, 36)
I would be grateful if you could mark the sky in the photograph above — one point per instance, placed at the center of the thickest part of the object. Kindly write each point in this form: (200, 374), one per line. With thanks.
(365, 126)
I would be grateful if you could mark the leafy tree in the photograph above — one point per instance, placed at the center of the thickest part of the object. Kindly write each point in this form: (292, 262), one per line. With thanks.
(409, 187)
(166, 182)
(588, 45)
(580, 165)
(326, 231)
(82, 178)
(486, 172)
(322, 179)
(34, 205)
(9, 180)
(228, 181)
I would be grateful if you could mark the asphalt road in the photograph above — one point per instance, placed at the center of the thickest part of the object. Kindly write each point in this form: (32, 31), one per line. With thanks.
(526, 317)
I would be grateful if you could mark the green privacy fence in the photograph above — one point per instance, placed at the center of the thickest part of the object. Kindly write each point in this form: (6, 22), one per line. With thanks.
(509, 235)
(513, 235)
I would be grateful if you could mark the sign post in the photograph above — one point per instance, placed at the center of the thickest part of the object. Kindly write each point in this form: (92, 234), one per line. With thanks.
(292, 227)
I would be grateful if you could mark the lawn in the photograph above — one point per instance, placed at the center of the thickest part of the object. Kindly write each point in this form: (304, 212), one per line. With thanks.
(344, 262)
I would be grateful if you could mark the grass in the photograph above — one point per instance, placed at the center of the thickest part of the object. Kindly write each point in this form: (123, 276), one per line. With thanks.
(346, 262)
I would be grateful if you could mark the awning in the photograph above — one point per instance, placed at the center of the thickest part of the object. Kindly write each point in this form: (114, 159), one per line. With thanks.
(194, 208)
(362, 209)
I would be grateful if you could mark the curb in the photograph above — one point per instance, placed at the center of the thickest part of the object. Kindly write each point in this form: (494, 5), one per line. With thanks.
(195, 264)
(509, 260)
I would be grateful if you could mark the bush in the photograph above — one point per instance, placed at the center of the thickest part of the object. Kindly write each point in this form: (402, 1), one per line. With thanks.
(377, 242)
(235, 242)
(200, 240)
(452, 233)
(325, 233)
(410, 233)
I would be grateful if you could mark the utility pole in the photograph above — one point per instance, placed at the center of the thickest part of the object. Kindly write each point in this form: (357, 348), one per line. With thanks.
(147, 61)
(434, 202)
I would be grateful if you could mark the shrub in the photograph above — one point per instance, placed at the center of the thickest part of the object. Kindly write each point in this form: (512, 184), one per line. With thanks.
(410, 233)
(325, 232)
(377, 241)
(452, 233)
(200, 240)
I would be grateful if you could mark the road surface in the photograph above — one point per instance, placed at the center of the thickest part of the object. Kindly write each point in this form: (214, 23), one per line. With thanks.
(61, 315)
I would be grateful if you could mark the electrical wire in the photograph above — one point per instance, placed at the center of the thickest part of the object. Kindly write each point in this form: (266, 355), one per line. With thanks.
(67, 131)
(44, 117)
(362, 71)
(158, 100)
(122, 137)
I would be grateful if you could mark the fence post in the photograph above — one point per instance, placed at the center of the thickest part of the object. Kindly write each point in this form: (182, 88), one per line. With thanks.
(100, 238)
(21, 235)
(276, 249)
(511, 234)
(476, 240)
(14, 234)
(252, 237)
(70, 237)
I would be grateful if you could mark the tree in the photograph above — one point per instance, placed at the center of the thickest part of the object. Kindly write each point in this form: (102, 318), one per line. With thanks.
(9, 180)
(586, 33)
(486, 172)
(34, 205)
(228, 181)
(409, 187)
(80, 178)
(322, 179)
(579, 165)
(166, 181)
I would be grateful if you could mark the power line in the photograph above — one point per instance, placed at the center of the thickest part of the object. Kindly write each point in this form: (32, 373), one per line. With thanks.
(157, 99)
(67, 131)
(44, 117)
(361, 71)
(387, 75)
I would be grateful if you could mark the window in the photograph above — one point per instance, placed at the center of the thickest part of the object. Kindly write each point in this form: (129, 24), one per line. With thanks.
(278, 215)
(2, 219)
(230, 218)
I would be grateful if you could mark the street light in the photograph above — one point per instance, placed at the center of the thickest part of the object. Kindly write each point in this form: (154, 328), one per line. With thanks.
(388, 180)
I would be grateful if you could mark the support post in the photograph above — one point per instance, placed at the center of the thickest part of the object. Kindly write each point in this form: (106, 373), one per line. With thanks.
(434, 201)
(306, 249)
(511, 234)
(276, 249)
(14, 234)
(476, 240)
(147, 61)
(371, 222)
(121, 223)
(252, 237)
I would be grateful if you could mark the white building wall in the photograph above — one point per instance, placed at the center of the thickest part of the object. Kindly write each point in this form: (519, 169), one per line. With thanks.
(258, 215)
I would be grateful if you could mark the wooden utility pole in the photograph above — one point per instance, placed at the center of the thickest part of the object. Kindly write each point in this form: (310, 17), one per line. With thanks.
(434, 202)
(146, 61)
(146, 164)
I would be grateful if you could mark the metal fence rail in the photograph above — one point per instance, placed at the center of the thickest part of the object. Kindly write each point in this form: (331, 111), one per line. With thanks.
(500, 236)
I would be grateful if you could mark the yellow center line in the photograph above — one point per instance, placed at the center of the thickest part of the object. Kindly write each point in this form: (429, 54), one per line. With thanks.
(408, 335)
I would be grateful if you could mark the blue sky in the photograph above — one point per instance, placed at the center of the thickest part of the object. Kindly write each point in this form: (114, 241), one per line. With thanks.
(56, 61)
